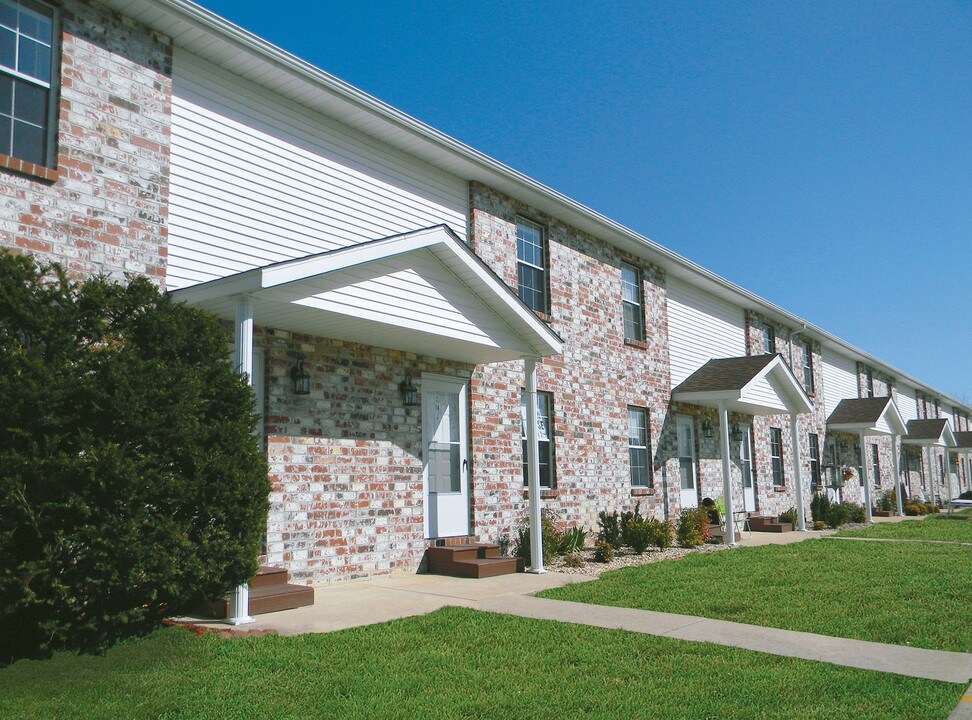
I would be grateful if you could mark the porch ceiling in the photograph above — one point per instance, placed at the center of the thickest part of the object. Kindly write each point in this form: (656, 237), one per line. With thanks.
(753, 385)
(423, 292)
(875, 416)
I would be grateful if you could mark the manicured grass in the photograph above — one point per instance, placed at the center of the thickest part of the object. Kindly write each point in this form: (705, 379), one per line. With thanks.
(901, 593)
(455, 663)
(936, 527)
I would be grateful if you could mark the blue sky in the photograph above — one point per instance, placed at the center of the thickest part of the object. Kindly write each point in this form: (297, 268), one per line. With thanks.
(817, 153)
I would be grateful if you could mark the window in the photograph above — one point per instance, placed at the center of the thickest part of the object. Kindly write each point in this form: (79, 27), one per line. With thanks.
(769, 339)
(27, 56)
(815, 462)
(876, 464)
(631, 299)
(544, 437)
(869, 382)
(776, 453)
(808, 366)
(639, 444)
(531, 264)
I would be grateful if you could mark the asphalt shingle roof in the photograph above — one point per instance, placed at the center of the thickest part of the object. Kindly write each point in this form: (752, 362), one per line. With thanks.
(725, 374)
(926, 429)
(858, 410)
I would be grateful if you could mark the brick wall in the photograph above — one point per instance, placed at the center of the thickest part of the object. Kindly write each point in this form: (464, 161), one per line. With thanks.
(106, 211)
(346, 460)
(592, 383)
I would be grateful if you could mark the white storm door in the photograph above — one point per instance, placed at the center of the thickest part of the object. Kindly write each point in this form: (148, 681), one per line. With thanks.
(685, 430)
(445, 471)
(746, 465)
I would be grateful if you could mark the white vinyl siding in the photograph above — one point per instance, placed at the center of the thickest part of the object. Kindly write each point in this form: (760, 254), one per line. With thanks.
(906, 403)
(701, 327)
(257, 179)
(839, 379)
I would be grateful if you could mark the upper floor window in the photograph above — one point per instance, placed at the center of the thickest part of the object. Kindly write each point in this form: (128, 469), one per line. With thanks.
(769, 339)
(776, 456)
(639, 441)
(531, 264)
(631, 299)
(544, 437)
(27, 56)
(808, 366)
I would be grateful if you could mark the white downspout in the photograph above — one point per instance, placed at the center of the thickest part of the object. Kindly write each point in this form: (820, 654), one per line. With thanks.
(533, 467)
(726, 468)
(797, 474)
(865, 480)
(243, 336)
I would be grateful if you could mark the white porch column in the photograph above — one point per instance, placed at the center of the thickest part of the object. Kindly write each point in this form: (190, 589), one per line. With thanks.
(243, 336)
(797, 472)
(726, 471)
(896, 468)
(931, 475)
(865, 479)
(533, 467)
(948, 474)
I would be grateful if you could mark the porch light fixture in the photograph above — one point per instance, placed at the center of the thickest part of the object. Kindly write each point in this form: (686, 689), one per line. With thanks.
(737, 433)
(409, 392)
(300, 377)
(707, 431)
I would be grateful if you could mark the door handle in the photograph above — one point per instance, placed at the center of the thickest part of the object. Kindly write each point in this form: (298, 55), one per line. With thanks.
(465, 465)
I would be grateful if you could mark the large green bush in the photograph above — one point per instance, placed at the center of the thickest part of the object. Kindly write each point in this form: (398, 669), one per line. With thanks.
(131, 484)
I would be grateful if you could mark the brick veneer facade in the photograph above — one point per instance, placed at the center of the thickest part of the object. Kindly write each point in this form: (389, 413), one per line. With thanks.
(105, 209)
(592, 383)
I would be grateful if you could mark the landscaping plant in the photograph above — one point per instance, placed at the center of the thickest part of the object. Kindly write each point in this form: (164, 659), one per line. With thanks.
(609, 528)
(572, 541)
(888, 501)
(789, 516)
(819, 507)
(693, 527)
(131, 483)
(551, 538)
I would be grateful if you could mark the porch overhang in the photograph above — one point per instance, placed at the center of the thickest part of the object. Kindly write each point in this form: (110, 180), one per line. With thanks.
(929, 433)
(752, 385)
(872, 416)
(423, 292)
(963, 441)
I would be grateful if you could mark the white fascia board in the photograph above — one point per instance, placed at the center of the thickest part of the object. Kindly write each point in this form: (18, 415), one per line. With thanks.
(708, 399)
(868, 428)
(238, 284)
(799, 401)
(894, 418)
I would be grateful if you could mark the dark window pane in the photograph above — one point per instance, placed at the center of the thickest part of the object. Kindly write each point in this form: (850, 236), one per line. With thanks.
(633, 327)
(6, 95)
(36, 23)
(5, 125)
(8, 48)
(34, 59)
(28, 143)
(8, 15)
(30, 103)
(531, 288)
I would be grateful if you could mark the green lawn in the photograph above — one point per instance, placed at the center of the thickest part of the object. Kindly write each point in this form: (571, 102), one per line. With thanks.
(902, 593)
(455, 663)
(936, 527)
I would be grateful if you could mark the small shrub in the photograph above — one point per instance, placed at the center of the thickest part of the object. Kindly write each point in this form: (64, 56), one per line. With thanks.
(574, 560)
(603, 552)
(693, 527)
(572, 541)
(639, 533)
(550, 536)
(914, 508)
(820, 525)
(789, 516)
(845, 512)
(888, 501)
(931, 508)
(857, 514)
(820, 508)
(609, 528)
(664, 534)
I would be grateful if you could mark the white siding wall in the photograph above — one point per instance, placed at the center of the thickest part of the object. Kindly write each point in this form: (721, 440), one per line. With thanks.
(257, 179)
(906, 403)
(701, 327)
(840, 379)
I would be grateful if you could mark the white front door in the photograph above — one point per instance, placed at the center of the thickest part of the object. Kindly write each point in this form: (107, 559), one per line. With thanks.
(445, 469)
(746, 465)
(685, 430)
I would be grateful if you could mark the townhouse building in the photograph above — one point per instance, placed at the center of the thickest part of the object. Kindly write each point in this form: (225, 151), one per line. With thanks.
(420, 323)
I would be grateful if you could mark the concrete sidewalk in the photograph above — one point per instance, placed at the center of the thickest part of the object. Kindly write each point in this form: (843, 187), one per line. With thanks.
(373, 601)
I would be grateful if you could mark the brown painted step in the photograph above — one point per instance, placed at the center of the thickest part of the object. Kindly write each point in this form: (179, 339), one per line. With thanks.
(269, 592)
(472, 561)
(769, 523)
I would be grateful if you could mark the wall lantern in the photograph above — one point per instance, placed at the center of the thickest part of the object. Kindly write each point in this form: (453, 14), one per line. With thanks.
(409, 392)
(737, 433)
(300, 377)
(707, 431)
